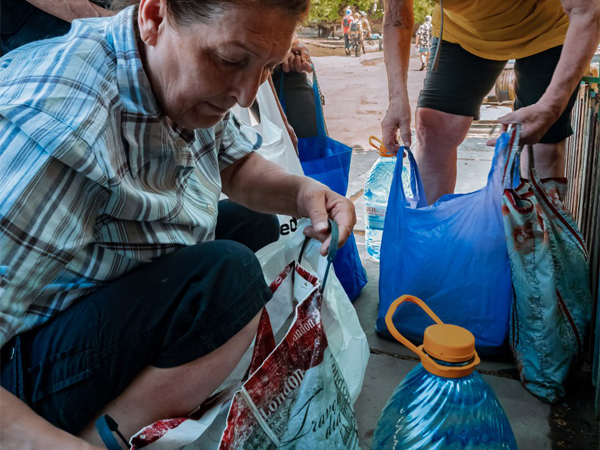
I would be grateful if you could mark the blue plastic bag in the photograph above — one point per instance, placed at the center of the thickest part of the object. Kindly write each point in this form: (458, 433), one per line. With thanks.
(452, 255)
(328, 161)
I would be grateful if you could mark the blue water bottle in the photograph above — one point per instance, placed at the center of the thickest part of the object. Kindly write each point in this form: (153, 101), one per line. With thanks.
(443, 403)
(377, 192)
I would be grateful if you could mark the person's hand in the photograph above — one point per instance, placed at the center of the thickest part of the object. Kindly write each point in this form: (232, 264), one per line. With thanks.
(298, 60)
(320, 203)
(397, 118)
(535, 121)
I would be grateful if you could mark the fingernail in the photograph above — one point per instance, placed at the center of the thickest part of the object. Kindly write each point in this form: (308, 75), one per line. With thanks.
(321, 226)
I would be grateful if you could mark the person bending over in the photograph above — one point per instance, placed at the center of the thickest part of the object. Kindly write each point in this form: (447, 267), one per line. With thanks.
(552, 42)
(115, 297)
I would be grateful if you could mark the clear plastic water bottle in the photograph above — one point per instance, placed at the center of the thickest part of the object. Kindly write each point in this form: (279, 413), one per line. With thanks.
(443, 403)
(377, 192)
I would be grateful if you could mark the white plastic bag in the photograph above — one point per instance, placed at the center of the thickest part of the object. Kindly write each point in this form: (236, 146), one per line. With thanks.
(276, 145)
(346, 341)
(295, 397)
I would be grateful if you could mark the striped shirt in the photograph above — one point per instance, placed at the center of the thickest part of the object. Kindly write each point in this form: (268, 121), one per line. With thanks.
(94, 181)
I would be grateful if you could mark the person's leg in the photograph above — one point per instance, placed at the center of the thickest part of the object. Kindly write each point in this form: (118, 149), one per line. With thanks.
(422, 55)
(253, 229)
(186, 316)
(158, 393)
(438, 136)
(532, 77)
(450, 99)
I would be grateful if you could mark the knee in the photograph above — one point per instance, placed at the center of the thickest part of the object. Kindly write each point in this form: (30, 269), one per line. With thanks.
(220, 260)
(269, 224)
(439, 132)
(251, 228)
(232, 255)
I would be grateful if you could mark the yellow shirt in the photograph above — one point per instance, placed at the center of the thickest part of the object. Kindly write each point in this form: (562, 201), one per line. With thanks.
(502, 29)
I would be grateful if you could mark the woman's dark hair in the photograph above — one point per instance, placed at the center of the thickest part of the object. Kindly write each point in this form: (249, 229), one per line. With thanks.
(187, 12)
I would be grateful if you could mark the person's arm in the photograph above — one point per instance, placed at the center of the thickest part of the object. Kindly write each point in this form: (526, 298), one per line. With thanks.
(263, 186)
(580, 45)
(397, 33)
(69, 10)
(43, 226)
(21, 428)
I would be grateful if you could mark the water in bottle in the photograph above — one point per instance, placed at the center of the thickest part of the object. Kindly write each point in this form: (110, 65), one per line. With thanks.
(443, 403)
(377, 192)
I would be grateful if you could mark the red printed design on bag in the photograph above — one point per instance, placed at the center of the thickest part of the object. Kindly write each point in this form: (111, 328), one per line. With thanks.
(264, 343)
(155, 431)
(282, 276)
(312, 279)
(277, 380)
(523, 238)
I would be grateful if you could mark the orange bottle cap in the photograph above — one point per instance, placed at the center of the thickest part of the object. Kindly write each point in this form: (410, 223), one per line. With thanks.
(449, 343)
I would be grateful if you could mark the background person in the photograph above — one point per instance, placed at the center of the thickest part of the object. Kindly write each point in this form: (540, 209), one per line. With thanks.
(116, 144)
(365, 24)
(552, 42)
(347, 19)
(366, 27)
(356, 34)
(424, 41)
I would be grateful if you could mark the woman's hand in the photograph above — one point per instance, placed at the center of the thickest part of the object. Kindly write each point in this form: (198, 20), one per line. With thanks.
(298, 60)
(535, 121)
(397, 118)
(320, 203)
(265, 187)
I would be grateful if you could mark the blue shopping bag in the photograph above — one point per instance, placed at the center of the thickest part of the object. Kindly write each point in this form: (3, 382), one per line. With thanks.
(551, 279)
(328, 161)
(451, 254)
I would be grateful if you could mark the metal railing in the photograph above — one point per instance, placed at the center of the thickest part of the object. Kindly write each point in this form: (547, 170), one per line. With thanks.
(582, 155)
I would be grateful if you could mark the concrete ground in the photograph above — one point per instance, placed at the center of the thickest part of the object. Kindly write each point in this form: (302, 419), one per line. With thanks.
(356, 100)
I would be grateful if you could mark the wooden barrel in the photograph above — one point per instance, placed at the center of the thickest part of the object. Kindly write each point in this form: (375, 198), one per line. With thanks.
(505, 86)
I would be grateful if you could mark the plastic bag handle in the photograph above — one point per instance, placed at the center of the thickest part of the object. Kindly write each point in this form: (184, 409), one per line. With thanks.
(333, 249)
(558, 213)
(392, 328)
(106, 426)
(512, 159)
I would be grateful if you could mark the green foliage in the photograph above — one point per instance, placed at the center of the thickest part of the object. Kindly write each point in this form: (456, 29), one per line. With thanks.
(423, 8)
(332, 10)
(324, 11)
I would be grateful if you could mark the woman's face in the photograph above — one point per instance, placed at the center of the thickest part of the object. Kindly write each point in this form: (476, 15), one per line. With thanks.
(198, 72)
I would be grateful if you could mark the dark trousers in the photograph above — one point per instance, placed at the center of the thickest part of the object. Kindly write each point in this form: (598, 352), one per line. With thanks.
(166, 313)
(300, 108)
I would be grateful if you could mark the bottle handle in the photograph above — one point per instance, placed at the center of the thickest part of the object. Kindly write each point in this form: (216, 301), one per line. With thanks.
(428, 362)
(390, 323)
(378, 145)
